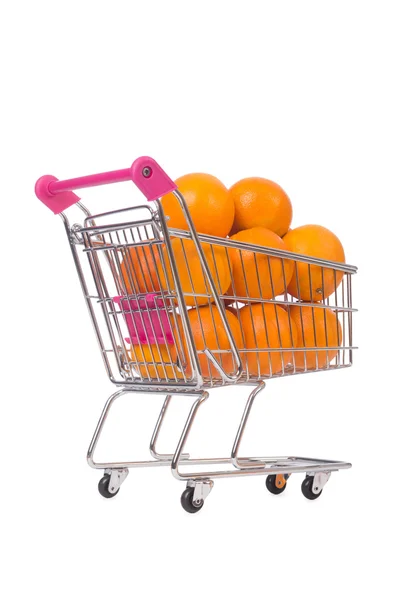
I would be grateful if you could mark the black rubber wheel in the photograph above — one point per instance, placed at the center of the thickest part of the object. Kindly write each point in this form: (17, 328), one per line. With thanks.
(271, 484)
(187, 501)
(103, 487)
(307, 489)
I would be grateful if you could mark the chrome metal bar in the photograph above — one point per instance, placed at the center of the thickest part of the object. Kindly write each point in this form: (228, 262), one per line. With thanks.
(99, 428)
(243, 423)
(181, 301)
(267, 466)
(118, 211)
(161, 460)
(277, 302)
(97, 434)
(156, 432)
(102, 229)
(185, 433)
(245, 466)
(229, 243)
(162, 463)
(215, 294)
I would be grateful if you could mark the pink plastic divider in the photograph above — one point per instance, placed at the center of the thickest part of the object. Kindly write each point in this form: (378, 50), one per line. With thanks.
(145, 172)
(147, 319)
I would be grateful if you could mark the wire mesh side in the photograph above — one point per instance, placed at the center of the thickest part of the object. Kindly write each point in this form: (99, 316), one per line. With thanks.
(295, 316)
(287, 316)
(127, 264)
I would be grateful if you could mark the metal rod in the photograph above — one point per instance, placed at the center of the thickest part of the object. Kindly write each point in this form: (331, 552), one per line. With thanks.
(243, 423)
(262, 467)
(229, 243)
(245, 466)
(99, 428)
(181, 444)
(156, 432)
(219, 304)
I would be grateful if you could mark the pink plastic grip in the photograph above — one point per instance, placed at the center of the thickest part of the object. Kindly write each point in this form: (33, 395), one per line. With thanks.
(147, 175)
(150, 178)
(56, 202)
(147, 320)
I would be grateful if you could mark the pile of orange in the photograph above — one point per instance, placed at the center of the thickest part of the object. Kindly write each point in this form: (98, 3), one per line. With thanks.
(254, 276)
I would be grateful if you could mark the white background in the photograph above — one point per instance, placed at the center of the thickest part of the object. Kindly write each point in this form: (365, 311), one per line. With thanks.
(299, 92)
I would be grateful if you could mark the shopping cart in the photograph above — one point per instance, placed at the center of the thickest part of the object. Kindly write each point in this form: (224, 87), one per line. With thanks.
(141, 290)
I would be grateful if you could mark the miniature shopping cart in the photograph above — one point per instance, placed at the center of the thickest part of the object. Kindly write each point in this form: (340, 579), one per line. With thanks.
(140, 306)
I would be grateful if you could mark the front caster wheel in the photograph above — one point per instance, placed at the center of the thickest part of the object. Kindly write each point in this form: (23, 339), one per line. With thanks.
(103, 487)
(307, 488)
(276, 484)
(188, 503)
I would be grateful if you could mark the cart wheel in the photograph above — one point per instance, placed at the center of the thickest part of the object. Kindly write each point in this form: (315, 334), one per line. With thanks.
(307, 489)
(187, 501)
(273, 483)
(103, 487)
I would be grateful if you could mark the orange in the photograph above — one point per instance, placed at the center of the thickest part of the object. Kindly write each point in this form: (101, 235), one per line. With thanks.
(210, 204)
(315, 283)
(260, 202)
(140, 269)
(208, 332)
(267, 326)
(157, 361)
(257, 275)
(317, 328)
(190, 272)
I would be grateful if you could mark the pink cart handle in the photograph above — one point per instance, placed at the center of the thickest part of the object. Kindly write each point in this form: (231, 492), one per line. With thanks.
(147, 175)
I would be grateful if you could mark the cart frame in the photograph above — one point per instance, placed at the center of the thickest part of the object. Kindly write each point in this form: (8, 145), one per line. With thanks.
(154, 183)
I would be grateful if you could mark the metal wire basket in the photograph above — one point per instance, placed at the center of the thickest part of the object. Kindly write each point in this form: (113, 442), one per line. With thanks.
(180, 312)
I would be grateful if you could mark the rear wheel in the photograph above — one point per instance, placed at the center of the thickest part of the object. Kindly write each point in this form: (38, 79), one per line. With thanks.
(276, 484)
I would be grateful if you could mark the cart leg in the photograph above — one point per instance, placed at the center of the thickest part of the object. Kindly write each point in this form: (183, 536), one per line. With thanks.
(116, 472)
(99, 428)
(243, 468)
(243, 423)
(152, 447)
(197, 489)
(182, 441)
(161, 459)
